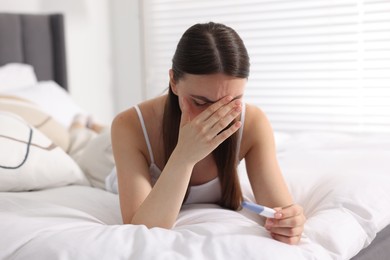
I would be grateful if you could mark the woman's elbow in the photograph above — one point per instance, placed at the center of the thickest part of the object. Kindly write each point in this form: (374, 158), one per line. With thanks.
(149, 223)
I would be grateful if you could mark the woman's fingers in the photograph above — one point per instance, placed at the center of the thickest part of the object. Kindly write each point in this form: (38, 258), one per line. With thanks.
(219, 138)
(233, 107)
(217, 124)
(213, 108)
(286, 239)
(224, 119)
(296, 221)
(185, 113)
(290, 211)
(289, 216)
(217, 117)
(201, 135)
(212, 121)
(290, 222)
(287, 226)
(291, 232)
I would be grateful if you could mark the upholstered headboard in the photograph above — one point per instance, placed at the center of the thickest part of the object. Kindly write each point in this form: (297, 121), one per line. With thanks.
(35, 39)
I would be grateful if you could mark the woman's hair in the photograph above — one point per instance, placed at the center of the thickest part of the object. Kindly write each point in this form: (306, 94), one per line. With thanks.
(206, 49)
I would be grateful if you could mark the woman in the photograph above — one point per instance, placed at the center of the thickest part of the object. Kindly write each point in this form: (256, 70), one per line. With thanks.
(184, 147)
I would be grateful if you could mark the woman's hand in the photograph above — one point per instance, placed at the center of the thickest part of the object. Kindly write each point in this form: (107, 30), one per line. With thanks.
(287, 226)
(199, 136)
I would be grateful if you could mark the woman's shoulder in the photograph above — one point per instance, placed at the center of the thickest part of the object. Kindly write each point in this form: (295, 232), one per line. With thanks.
(124, 124)
(128, 120)
(145, 107)
(254, 115)
(153, 108)
(257, 128)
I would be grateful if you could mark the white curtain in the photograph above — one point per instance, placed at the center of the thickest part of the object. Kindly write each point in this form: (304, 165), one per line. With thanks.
(315, 65)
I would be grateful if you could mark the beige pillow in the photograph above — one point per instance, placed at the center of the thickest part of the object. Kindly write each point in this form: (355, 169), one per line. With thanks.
(37, 118)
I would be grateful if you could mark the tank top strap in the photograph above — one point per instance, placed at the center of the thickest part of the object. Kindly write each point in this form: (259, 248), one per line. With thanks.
(141, 119)
(240, 131)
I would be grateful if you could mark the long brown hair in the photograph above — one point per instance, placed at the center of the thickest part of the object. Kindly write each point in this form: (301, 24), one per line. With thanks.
(206, 49)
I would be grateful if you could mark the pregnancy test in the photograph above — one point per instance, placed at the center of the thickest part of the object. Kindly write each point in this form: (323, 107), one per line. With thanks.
(261, 210)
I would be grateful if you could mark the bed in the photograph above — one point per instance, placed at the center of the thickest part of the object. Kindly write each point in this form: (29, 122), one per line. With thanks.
(56, 209)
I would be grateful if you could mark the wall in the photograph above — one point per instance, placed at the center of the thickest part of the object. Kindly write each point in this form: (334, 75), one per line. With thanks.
(127, 53)
(89, 49)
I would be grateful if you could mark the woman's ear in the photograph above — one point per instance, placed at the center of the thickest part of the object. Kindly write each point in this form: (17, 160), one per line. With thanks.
(172, 82)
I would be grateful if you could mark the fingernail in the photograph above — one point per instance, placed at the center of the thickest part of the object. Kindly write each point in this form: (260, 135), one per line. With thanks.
(237, 102)
(270, 222)
(278, 215)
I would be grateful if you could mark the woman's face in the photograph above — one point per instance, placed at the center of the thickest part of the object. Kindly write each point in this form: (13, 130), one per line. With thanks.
(201, 91)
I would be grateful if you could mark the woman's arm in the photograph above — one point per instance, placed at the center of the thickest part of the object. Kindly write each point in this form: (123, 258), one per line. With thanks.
(262, 166)
(140, 203)
(160, 205)
(267, 181)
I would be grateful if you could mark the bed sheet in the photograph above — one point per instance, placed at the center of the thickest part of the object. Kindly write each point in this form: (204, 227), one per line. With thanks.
(342, 182)
(79, 222)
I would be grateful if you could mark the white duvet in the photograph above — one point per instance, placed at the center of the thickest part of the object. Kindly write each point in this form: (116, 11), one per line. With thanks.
(342, 181)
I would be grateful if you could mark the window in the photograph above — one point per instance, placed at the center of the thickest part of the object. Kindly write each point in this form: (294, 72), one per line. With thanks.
(315, 65)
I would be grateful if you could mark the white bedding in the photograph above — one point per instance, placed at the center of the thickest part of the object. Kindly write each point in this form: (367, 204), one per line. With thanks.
(342, 181)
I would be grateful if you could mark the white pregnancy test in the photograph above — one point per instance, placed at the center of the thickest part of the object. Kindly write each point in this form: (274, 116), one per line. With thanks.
(261, 210)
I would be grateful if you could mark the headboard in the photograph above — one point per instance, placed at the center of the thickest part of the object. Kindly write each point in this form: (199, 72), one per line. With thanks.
(35, 39)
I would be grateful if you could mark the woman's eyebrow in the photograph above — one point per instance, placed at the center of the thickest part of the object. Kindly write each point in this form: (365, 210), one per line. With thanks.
(205, 99)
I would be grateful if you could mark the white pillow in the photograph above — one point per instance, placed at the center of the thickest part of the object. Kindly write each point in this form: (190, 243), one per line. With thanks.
(16, 75)
(31, 161)
(52, 99)
(97, 159)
